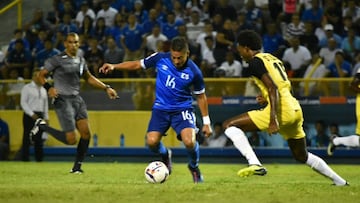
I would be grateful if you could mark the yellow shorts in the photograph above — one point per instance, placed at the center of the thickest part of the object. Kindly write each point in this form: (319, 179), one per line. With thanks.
(357, 109)
(290, 122)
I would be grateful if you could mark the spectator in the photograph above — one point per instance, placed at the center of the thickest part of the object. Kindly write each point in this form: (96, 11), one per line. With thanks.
(169, 28)
(218, 139)
(14, 89)
(107, 12)
(313, 14)
(149, 23)
(207, 31)
(243, 23)
(356, 64)
(254, 15)
(140, 13)
(86, 28)
(297, 56)
(334, 130)
(329, 33)
(19, 59)
(66, 8)
(225, 40)
(208, 63)
(40, 42)
(154, 37)
(132, 40)
(34, 102)
(194, 27)
(340, 67)
(67, 26)
(94, 56)
(101, 31)
(34, 25)
(351, 44)
(45, 53)
(230, 66)
(321, 137)
(84, 11)
(351, 9)
(295, 27)
(316, 69)
(273, 41)
(116, 29)
(18, 34)
(309, 39)
(4, 140)
(179, 11)
(58, 41)
(328, 52)
(226, 10)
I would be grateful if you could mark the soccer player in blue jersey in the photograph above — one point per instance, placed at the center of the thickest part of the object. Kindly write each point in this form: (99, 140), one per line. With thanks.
(178, 77)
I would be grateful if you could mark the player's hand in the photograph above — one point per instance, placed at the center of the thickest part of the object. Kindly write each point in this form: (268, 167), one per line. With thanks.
(112, 93)
(53, 93)
(261, 100)
(106, 68)
(207, 130)
(273, 126)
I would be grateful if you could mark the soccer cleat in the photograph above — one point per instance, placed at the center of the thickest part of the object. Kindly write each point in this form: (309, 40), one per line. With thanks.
(76, 171)
(196, 174)
(167, 160)
(35, 130)
(252, 170)
(331, 147)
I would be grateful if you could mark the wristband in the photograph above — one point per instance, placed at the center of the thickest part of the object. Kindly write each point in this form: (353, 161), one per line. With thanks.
(106, 87)
(206, 120)
(47, 86)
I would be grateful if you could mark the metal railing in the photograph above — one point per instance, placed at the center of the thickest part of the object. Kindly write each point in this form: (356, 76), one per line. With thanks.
(139, 93)
(17, 3)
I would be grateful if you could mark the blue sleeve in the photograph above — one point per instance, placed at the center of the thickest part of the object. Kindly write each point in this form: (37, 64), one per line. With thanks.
(151, 60)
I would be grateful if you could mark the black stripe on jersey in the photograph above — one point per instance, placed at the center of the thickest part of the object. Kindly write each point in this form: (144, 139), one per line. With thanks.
(257, 67)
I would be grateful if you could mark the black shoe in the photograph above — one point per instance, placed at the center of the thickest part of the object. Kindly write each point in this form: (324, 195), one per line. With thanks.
(167, 160)
(76, 171)
(331, 147)
(36, 130)
(196, 174)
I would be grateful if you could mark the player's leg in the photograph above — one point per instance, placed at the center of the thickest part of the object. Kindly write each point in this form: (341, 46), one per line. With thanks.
(234, 130)
(298, 149)
(349, 141)
(295, 136)
(159, 123)
(184, 125)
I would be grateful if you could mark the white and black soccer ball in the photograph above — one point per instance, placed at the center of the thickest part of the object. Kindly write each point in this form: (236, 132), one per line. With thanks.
(156, 172)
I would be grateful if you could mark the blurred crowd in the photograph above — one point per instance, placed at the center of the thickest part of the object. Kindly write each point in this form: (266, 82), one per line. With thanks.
(313, 37)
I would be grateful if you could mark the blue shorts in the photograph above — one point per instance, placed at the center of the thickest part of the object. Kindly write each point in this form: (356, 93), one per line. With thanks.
(161, 120)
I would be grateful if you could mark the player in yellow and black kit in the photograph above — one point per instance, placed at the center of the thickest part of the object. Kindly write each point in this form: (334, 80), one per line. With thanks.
(282, 113)
(350, 140)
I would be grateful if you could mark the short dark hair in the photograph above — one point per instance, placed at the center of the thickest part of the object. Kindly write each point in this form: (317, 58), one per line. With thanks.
(179, 44)
(250, 39)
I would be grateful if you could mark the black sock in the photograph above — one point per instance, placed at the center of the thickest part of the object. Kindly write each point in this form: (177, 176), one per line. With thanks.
(81, 153)
(57, 134)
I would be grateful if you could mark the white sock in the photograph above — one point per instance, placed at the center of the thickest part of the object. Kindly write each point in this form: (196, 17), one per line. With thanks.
(321, 167)
(242, 144)
(350, 141)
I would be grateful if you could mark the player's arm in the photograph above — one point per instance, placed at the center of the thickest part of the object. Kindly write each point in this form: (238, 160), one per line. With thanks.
(203, 106)
(93, 81)
(52, 92)
(354, 85)
(127, 65)
(274, 102)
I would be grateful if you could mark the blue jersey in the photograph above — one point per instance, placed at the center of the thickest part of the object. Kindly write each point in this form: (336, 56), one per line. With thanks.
(174, 87)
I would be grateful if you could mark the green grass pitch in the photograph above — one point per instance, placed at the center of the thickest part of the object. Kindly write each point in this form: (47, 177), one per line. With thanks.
(125, 182)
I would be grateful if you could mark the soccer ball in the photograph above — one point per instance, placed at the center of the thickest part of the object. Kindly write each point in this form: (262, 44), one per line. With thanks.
(156, 172)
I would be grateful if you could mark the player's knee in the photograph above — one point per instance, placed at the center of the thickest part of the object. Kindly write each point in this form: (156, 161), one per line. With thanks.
(189, 143)
(71, 138)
